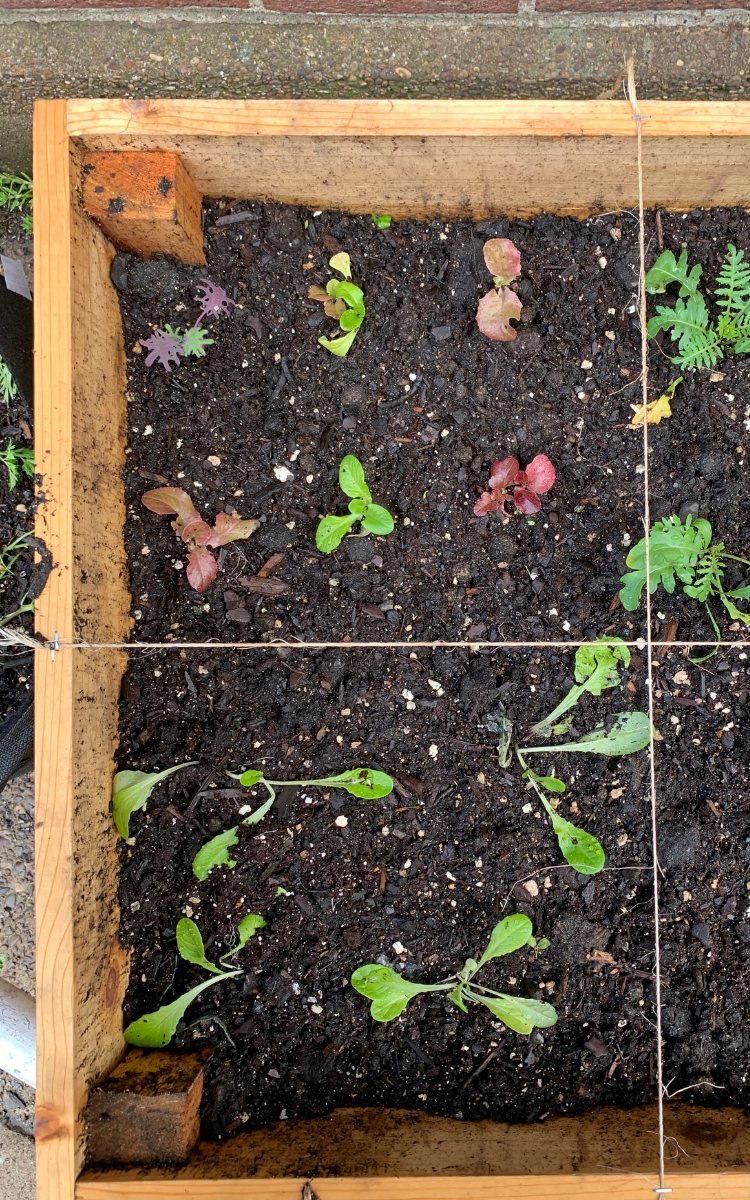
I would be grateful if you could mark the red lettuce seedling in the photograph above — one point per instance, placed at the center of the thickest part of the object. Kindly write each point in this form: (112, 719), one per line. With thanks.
(170, 345)
(538, 477)
(500, 305)
(197, 535)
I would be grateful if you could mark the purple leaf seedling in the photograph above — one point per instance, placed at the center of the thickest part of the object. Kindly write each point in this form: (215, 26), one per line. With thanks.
(197, 535)
(501, 305)
(170, 345)
(538, 478)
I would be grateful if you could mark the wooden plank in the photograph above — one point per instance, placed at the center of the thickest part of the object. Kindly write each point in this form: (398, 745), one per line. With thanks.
(687, 1186)
(147, 1110)
(79, 447)
(420, 158)
(95, 119)
(145, 202)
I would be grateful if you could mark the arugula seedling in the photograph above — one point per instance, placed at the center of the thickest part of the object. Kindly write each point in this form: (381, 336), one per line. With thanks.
(630, 732)
(131, 790)
(596, 669)
(501, 305)
(684, 551)
(390, 993)
(363, 782)
(580, 849)
(374, 518)
(157, 1028)
(17, 459)
(343, 301)
(701, 342)
(202, 566)
(169, 345)
(538, 478)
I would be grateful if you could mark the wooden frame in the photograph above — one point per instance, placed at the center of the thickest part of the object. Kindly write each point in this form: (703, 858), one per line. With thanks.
(403, 157)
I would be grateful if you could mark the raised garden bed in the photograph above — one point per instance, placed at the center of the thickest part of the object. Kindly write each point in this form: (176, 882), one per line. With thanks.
(454, 859)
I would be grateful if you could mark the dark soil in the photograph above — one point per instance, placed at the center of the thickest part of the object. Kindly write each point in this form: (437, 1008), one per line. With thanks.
(16, 518)
(308, 714)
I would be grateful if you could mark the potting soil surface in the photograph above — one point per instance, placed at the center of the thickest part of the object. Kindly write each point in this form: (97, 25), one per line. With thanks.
(417, 880)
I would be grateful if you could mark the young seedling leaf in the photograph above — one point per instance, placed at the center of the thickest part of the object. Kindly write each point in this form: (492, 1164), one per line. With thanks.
(509, 935)
(131, 790)
(495, 312)
(255, 817)
(502, 726)
(190, 945)
(630, 732)
(580, 849)
(247, 928)
(164, 347)
(202, 568)
(381, 220)
(389, 993)
(339, 346)
(157, 1028)
(230, 529)
(667, 270)
(352, 479)
(362, 781)
(215, 853)
(596, 668)
(195, 341)
(377, 520)
(503, 259)
(518, 1014)
(342, 263)
(214, 302)
(550, 782)
(331, 530)
(457, 997)
(250, 778)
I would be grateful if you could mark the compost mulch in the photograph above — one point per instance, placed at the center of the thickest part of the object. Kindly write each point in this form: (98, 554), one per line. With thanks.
(435, 865)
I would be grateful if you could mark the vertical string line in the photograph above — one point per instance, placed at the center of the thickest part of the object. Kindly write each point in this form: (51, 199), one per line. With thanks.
(661, 1190)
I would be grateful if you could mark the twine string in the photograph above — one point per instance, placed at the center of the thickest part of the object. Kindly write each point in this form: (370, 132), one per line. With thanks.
(661, 1190)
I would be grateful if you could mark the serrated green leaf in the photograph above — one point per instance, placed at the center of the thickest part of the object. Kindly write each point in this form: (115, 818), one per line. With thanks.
(666, 270)
(508, 935)
(190, 945)
(596, 669)
(377, 520)
(157, 1028)
(518, 1014)
(131, 790)
(331, 530)
(215, 853)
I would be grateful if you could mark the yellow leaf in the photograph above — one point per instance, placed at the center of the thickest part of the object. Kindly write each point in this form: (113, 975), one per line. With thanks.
(656, 410)
(342, 262)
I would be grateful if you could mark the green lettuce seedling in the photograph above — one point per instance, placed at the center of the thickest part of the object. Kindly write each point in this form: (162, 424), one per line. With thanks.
(374, 518)
(596, 669)
(580, 849)
(360, 781)
(381, 220)
(630, 732)
(343, 300)
(684, 551)
(131, 790)
(390, 993)
(157, 1028)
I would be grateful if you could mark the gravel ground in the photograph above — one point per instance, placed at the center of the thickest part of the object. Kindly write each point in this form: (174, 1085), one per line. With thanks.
(17, 1180)
(17, 881)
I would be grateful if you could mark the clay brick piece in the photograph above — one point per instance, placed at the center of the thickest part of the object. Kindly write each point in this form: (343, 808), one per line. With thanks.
(148, 1110)
(386, 8)
(145, 202)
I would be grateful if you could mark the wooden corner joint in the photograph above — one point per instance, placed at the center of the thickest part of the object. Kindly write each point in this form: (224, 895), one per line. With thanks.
(145, 202)
(147, 1111)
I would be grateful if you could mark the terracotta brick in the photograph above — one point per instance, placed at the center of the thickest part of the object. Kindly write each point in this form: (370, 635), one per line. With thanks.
(604, 6)
(391, 7)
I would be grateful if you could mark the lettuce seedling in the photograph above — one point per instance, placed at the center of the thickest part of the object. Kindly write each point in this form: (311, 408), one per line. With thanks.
(17, 459)
(374, 518)
(131, 790)
(363, 782)
(684, 551)
(157, 1028)
(580, 849)
(538, 478)
(381, 220)
(701, 342)
(501, 305)
(390, 993)
(343, 301)
(202, 566)
(596, 669)
(169, 345)
(629, 733)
